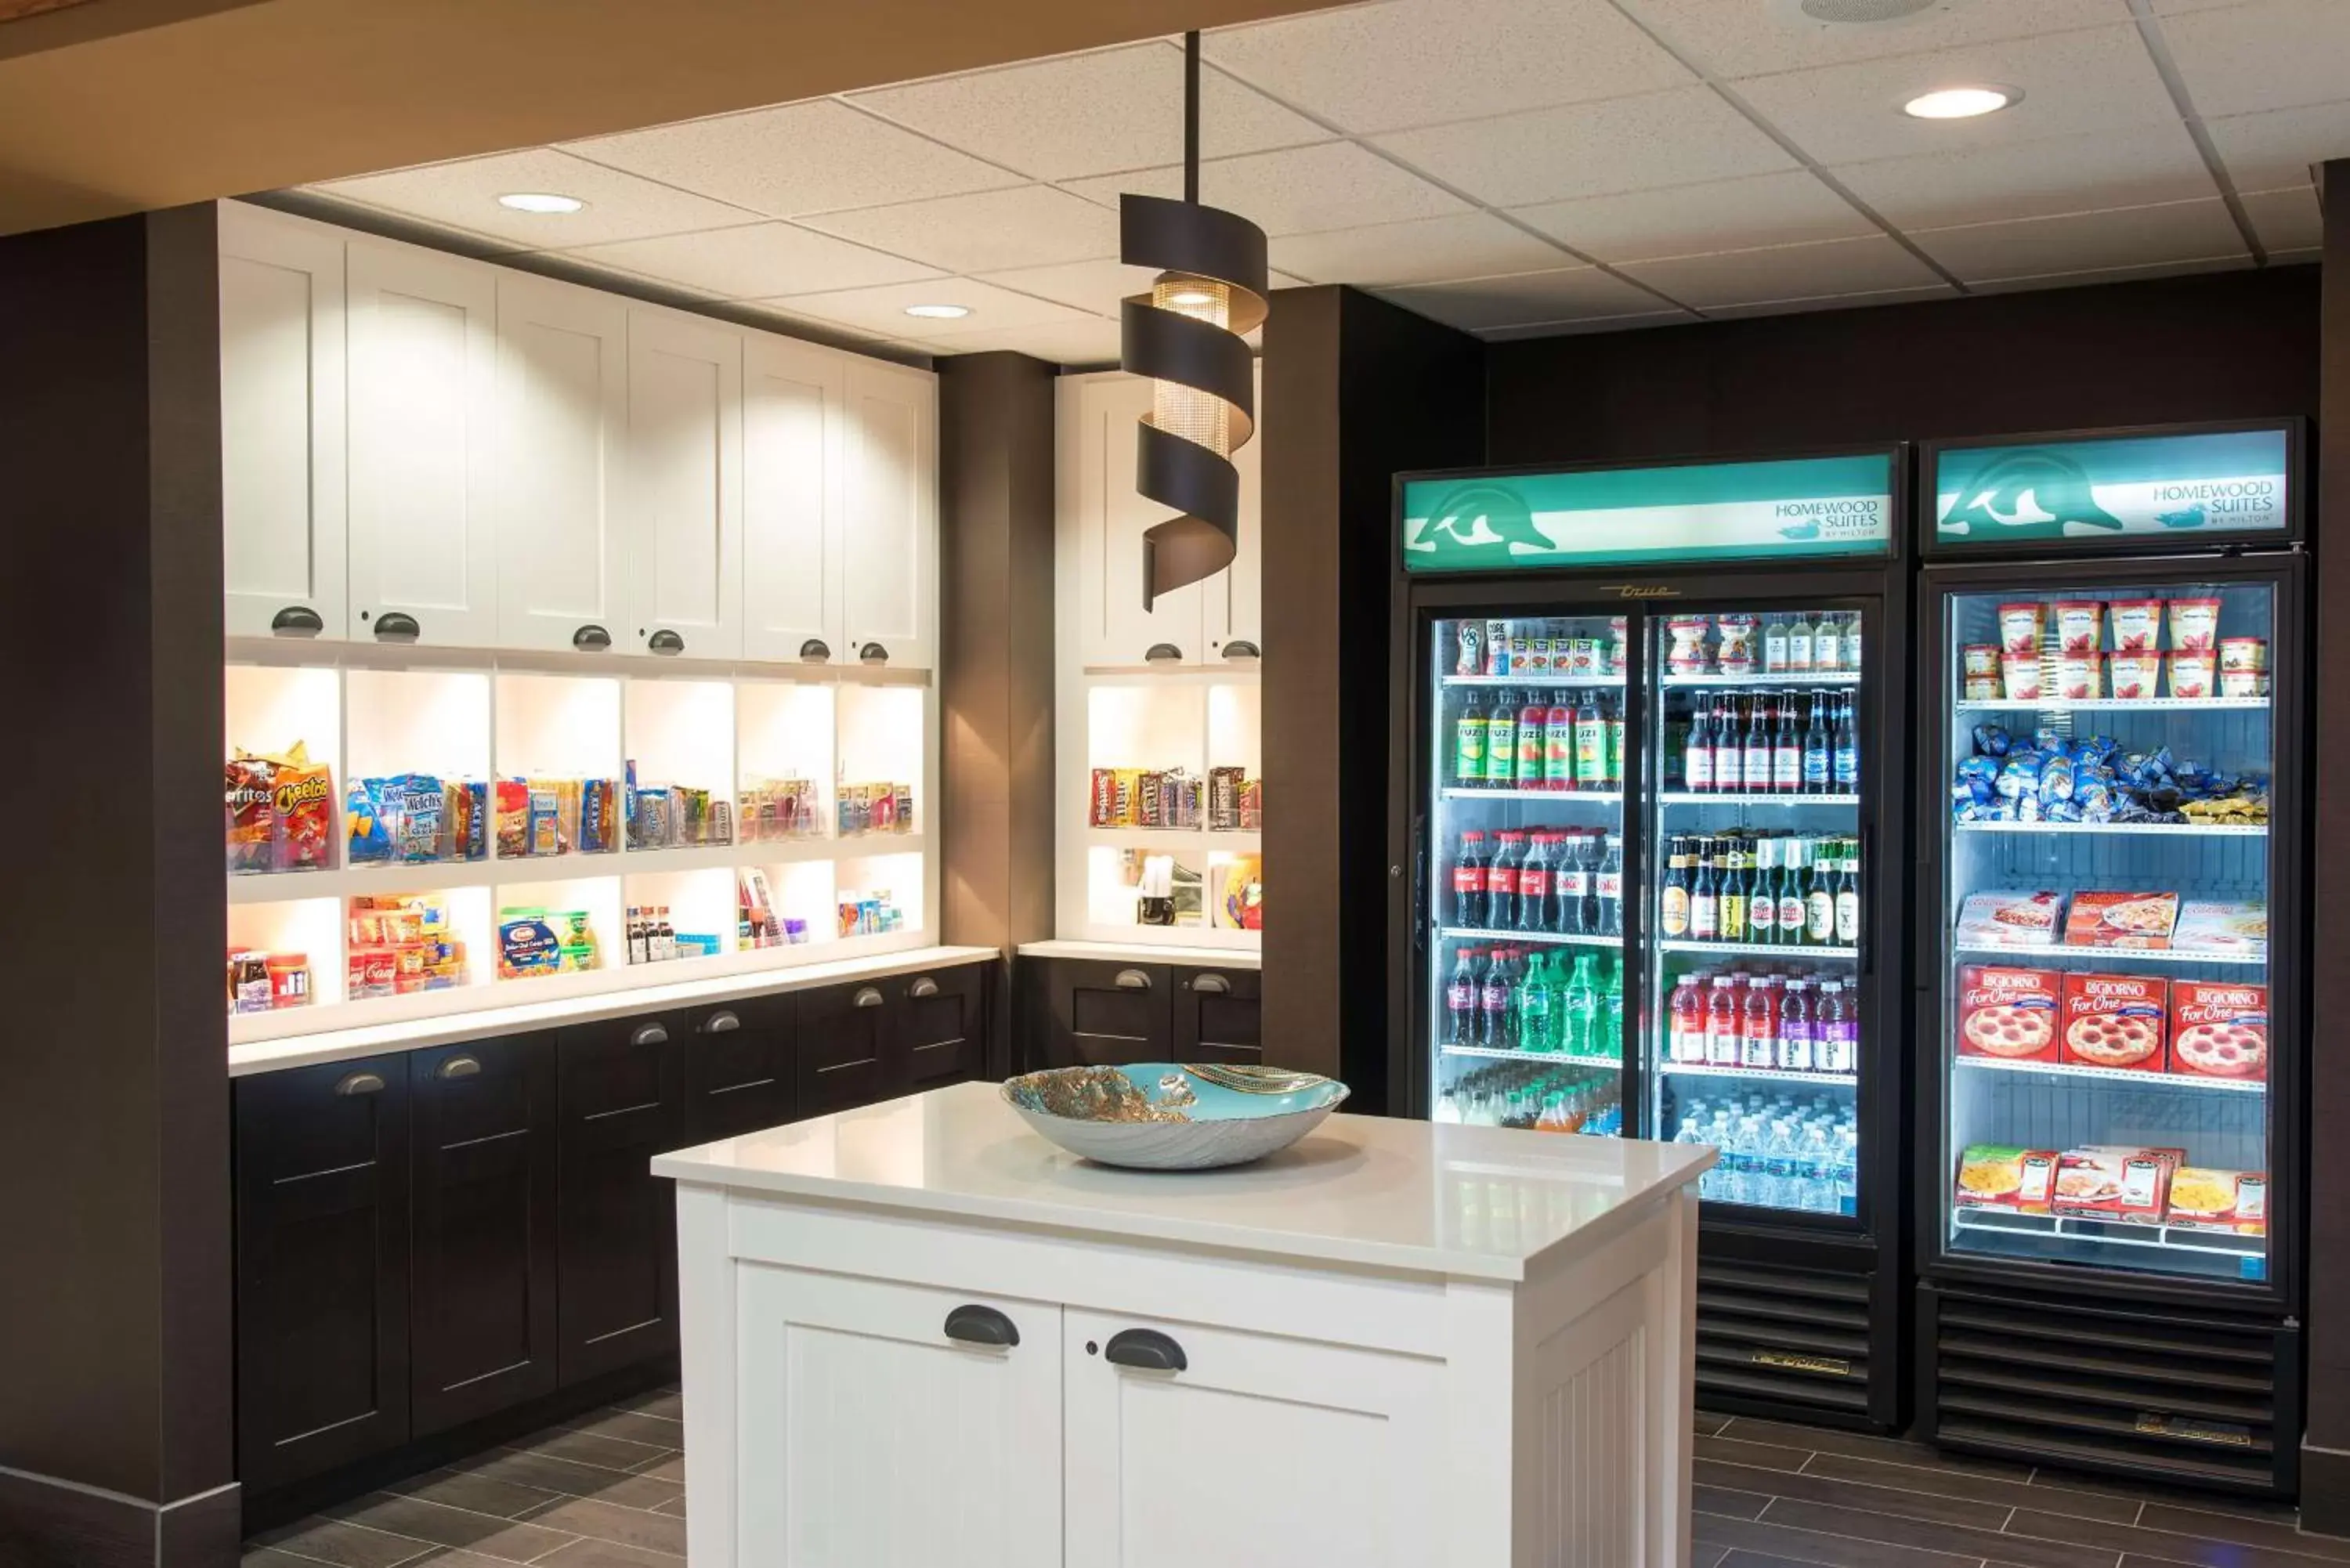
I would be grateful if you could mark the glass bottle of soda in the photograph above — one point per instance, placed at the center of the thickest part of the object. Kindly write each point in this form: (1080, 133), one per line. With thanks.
(1697, 747)
(1786, 750)
(1558, 743)
(1819, 897)
(1791, 909)
(1673, 893)
(1730, 859)
(1759, 746)
(1501, 881)
(1468, 734)
(1501, 741)
(1609, 881)
(1569, 882)
(1533, 729)
(1462, 997)
(1534, 883)
(1818, 776)
(1725, 1031)
(1763, 899)
(1705, 896)
(1847, 896)
(1729, 746)
(1847, 746)
(1470, 900)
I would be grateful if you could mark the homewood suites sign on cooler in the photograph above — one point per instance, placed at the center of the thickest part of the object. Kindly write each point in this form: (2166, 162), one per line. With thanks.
(1807, 506)
(2231, 482)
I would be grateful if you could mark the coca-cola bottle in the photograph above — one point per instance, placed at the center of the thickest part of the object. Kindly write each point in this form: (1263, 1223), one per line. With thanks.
(1534, 883)
(1469, 901)
(1501, 881)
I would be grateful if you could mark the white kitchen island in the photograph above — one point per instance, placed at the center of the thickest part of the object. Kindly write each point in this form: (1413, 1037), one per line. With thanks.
(918, 1335)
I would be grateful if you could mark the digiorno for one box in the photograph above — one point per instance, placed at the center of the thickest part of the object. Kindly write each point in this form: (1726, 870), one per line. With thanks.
(2220, 1029)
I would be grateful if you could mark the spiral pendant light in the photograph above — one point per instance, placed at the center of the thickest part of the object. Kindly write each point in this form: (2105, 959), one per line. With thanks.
(1186, 335)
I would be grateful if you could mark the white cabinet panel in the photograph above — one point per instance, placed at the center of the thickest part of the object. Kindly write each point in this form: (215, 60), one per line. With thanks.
(793, 435)
(1327, 1454)
(282, 452)
(1235, 594)
(1112, 518)
(889, 537)
(563, 418)
(424, 354)
(685, 490)
(881, 1442)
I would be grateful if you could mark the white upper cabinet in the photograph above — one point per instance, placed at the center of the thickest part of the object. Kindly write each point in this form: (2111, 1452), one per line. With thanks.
(422, 432)
(794, 430)
(888, 538)
(563, 416)
(281, 325)
(1235, 597)
(684, 527)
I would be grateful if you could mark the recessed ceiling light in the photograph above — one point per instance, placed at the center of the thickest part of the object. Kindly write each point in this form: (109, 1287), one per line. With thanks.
(938, 312)
(540, 202)
(1960, 103)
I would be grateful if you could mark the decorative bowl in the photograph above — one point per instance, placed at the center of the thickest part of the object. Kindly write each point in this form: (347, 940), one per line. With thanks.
(1161, 1116)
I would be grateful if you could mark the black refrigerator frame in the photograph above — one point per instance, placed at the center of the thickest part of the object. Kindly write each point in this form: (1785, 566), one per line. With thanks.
(1802, 1316)
(2185, 1337)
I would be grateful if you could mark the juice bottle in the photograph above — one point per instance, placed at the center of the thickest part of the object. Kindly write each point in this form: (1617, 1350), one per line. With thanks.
(1590, 744)
(1469, 733)
(1760, 1046)
(1534, 729)
(1558, 744)
(1725, 1032)
(1501, 741)
(1794, 1052)
(1688, 1038)
(1614, 708)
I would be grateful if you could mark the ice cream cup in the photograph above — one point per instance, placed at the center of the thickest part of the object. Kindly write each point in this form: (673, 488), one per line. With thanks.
(2241, 654)
(2022, 627)
(2080, 626)
(2022, 675)
(2080, 676)
(2136, 676)
(2193, 674)
(2194, 624)
(2137, 625)
(2243, 683)
(1980, 659)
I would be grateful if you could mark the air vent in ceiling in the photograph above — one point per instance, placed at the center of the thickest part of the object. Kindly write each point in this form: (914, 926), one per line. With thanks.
(1855, 12)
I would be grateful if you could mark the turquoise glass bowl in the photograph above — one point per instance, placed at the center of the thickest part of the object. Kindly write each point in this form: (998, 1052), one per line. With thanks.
(1164, 1115)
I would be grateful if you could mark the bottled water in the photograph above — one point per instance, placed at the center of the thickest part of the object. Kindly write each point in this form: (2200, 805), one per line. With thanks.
(1846, 1179)
(1817, 1161)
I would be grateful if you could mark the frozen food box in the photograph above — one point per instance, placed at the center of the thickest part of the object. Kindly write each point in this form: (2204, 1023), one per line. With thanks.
(2220, 1029)
(2206, 1199)
(2007, 1013)
(2207, 925)
(2131, 1185)
(1996, 1176)
(2009, 920)
(2114, 1020)
(2121, 920)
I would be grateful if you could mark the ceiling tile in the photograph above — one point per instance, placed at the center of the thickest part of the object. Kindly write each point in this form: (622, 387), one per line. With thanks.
(1723, 214)
(2179, 7)
(2079, 241)
(1299, 190)
(465, 195)
(2286, 220)
(757, 260)
(2108, 274)
(1422, 62)
(1567, 294)
(1091, 114)
(883, 310)
(1427, 250)
(2265, 152)
(2280, 53)
(1834, 302)
(986, 232)
(1062, 343)
(1676, 138)
(2072, 82)
(1588, 325)
(1743, 39)
(1784, 272)
(2145, 164)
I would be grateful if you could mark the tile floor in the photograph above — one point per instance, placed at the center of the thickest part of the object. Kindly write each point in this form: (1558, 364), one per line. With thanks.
(608, 1490)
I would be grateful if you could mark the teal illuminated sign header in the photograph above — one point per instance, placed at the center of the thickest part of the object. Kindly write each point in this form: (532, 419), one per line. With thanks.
(1731, 511)
(2217, 482)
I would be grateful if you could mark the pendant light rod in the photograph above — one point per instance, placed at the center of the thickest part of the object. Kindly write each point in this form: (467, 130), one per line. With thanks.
(1191, 117)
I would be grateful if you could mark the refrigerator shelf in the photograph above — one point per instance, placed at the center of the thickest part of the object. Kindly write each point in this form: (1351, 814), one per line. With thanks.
(1535, 677)
(1773, 1075)
(2117, 1075)
(2108, 955)
(1712, 797)
(2113, 705)
(1770, 678)
(2110, 1232)
(1758, 950)
(2143, 829)
(1613, 1064)
(1546, 939)
(1597, 797)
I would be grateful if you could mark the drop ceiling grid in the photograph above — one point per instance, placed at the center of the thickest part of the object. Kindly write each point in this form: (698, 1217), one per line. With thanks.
(1509, 165)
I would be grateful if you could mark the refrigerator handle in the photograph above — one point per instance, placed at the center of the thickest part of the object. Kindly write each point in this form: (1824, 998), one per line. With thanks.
(1867, 934)
(1418, 882)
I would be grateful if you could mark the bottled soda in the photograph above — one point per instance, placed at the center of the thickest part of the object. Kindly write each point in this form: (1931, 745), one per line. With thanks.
(1847, 896)
(1461, 999)
(1762, 900)
(1582, 1003)
(1534, 875)
(1533, 728)
(1469, 736)
(1471, 900)
(1818, 776)
(1590, 744)
(1558, 743)
(1673, 897)
(1799, 644)
(1588, 919)
(1705, 897)
(1730, 904)
(1688, 1038)
(1501, 741)
(1759, 1047)
(1759, 746)
(1609, 881)
(1725, 1031)
(1791, 892)
(1697, 748)
(1496, 1028)
(1786, 750)
(1729, 747)
(1501, 881)
(1611, 1012)
(1570, 883)
(1794, 1052)
(1533, 1001)
(1847, 746)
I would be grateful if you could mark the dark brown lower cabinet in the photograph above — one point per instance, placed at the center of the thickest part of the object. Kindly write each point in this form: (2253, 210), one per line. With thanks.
(322, 1267)
(938, 1027)
(483, 1319)
(740, 1068)
(1104, 1014)
(844, 1046)
(620, 1092)
(1218, 1015)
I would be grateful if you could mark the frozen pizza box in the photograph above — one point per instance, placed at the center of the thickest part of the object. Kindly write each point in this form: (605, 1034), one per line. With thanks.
(2102, 1182)
(2234, 1200)
(1997, 1176)
(2007, 1013)
(2237, 930)
(2121, 920)
(2220, 1029)
(2114, 1020)
(2009, 920)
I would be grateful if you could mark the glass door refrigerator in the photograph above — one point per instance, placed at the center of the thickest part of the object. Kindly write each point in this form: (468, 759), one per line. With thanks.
(2113, 839)
(1648, 781)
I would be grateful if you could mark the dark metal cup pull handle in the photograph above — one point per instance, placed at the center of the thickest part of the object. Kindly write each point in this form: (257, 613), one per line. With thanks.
(1146, 1348)
(866, 997)
(361, 1084)
(1241, 647)
(1161, 652)
(873, 653)
(458, 1067)
(1212, 984)
(975, 1324)
(925, 986)
(816, 650)
(296, 620)
(591, 640)
(1132, 980)
(665, 641)
(721, 1023)
(397, 627)
(650, 1035)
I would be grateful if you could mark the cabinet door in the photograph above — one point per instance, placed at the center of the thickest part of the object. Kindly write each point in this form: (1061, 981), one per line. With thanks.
(938, 1027)
(563, 414)
(889, 527)
(1111, 516)
(620, 1101)
(792, 489)
(321, 1268)
(1107, 1014)
(423, 425)
(685, 490)
(282, 427)
(1358, 1432)
(482, 1298)
(877, 1427)
(845, 1040)
(1233, 597)
(1218, 1017)
(740, 1067)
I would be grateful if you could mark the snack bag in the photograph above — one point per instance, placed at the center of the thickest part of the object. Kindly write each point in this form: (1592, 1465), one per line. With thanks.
(250, 813)
(422, 805)
(2220, 1029)
(514, 819)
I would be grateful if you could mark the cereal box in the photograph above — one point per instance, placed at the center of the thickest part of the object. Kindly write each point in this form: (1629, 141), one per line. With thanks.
(2114, 1020)
(2008, 1013)
(2220, 1029)
(2235, 1200)
(2122, 920)
(2009, 920)
(1994, 1176)
(2100, 1182)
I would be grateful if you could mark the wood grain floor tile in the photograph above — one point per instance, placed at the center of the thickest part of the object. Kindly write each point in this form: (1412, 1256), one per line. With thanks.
(1763, 1456)
(666, 1403)
(1727, 1502)
(594, 1448)
(633, 1426)
(624, 1526)
(1762, 1541)
(1866, 1445)
(1891, 1530)
(608, 1555)
(485, 1535)
(474, 1491)
(342, 1545)
(2202, 1550)
(672, 1469)
(563, 1476)
(2002, 1490)
(1838, 1492)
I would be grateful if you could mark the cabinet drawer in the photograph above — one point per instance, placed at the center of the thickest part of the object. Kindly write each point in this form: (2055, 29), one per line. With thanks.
(1107, 1014)
(740, 1067)
(1218, 1015)
(843, 1048)
(938, 1027)
(620, 1101)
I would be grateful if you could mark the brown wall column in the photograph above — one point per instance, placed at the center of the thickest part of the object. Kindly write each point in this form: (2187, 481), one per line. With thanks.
(116, 1415)
(995, 686)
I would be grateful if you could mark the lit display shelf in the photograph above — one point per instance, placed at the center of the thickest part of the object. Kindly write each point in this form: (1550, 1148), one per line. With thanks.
(1758, 950)
(432, 876)
(2114, 705)
(2141, 829)
(1984, 1221)
(1558, 796)
(1176, 838)
(1544, 678)
(1540, 938)
(1712, 797)
(2114, 955)
(1769, 1075)
(1774, 678)
(2128, 1075)
(1550, 1058)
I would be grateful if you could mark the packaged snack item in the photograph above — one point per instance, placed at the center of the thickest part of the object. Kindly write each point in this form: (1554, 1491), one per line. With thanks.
(2080, 626)
(2010, 1014)
(2114, 1020)
(2194, 624)
(2243, 683)
(2136, 675)
(1129, 789)
(248, 980)
(2009, 920)
(2218, 1029)
(2020, 674)
(2216, 927)
(1688, 654)
(372, 972)
(417, 837)
(2137, 625)
(1103, 812)
(251, 788)
(2122, 920)
(514, 819)
(302, 801)
(1737, 655)
(544, 824)
(1251, 806)
(2081, 676)
(2021, 629)
(2193, 674)
(528, 945)
(1979, 658)
(1980, 689)
(2243, 653)
(2000, 1176)
(289, 980)
(595, 824)
(2233, 1200)
(2131, 1185)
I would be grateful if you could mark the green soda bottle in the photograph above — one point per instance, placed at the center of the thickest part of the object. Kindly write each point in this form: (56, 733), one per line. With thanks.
(1611, 1012)
(1581, 1001)
(1537, 1023)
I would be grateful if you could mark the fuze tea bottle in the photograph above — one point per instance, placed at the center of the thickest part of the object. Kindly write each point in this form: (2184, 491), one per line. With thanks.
(1558, 743)
(1468, 734)
(1533, 731)
(1501, 741)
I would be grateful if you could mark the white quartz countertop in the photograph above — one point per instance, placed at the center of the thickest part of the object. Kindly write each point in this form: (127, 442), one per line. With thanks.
(1369, 1191)
(1146, 952)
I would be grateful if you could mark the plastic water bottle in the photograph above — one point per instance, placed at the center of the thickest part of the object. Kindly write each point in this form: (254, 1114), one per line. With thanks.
(1847, 1170)
(1818, 1162)
(1784, 1187)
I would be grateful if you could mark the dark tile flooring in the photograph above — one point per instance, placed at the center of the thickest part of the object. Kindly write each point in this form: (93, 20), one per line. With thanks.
(608, 1490)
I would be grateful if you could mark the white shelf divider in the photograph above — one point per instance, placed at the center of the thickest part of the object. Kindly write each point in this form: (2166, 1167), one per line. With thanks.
(2130, 1076)
(1710, 797)
(1759, 950)
(2154, 829)
(2111, 705)
(2110, 955)
(1773, 1075)
(1770, 678)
